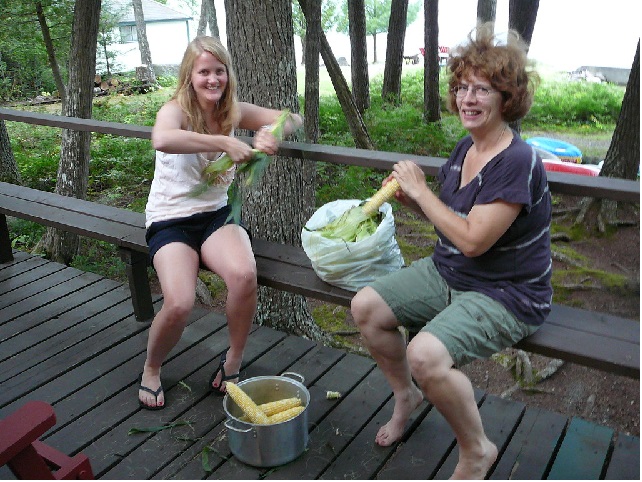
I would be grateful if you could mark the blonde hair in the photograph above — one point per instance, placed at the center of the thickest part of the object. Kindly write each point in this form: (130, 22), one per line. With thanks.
(227, 110)
(504, 65)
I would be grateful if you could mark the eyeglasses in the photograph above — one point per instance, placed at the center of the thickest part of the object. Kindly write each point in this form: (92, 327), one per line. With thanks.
(478, 91)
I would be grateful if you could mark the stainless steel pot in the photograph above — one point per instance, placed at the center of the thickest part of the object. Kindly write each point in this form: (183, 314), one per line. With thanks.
(268, 445)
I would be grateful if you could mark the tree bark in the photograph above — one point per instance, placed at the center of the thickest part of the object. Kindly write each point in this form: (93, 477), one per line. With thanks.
(346, 99)
(143, 45)
(359, 54)
(8, 168)
(432, 110)
(311, 52)
(261, 42)
(51, 53)
(486, 11)
(73, 170)
(391, 90)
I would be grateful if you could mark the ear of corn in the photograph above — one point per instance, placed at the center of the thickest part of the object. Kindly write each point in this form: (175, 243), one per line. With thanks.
(285, 415)
(245, 403)
(272, 408)
(381, 196)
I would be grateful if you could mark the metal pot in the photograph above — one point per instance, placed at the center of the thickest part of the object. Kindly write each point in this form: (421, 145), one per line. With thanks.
(268, 445)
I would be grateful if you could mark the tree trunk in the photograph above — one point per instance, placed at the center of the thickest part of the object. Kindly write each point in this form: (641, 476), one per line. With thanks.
(311, 52)
(359, 54)
(212, 19)
(622, 159)
(391, 90)
(432, 111)
(486, 11)
(346, 99)
(623, 156)
(202, 19)
(143, 45)
(8, 168)
(261, 43)
(521, 18)
(374, 48)
(51, 54)
(73, 170)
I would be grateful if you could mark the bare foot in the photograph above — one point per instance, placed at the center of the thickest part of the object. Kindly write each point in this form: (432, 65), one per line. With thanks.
(404, 406)
(151, 380)
(476, 464)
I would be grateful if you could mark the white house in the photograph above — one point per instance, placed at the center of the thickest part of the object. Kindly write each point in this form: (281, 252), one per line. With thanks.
(168, 33)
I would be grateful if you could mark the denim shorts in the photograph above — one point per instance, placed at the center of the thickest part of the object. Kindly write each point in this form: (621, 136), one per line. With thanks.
(470, 324)
(192, 230)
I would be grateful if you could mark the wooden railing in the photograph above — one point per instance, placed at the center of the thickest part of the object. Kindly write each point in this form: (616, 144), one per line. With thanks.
(559, 183)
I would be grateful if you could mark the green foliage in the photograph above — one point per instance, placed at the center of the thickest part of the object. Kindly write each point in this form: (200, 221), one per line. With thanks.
(377, 15)
(576, 104)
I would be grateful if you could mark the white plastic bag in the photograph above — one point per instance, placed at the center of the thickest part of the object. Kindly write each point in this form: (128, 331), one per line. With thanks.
(351, 265)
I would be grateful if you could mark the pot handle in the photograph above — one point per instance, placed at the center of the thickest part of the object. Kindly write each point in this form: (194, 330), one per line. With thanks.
(231, 427)
(294, 375)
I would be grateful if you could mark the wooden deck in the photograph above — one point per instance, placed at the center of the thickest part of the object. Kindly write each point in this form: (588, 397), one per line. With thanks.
(70, 338)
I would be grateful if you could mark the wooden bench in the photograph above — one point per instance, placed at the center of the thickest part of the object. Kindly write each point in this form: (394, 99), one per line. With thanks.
(593, 339)
(28, 457)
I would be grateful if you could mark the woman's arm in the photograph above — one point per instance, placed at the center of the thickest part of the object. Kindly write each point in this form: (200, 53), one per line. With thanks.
(472, 235)
(170, 135)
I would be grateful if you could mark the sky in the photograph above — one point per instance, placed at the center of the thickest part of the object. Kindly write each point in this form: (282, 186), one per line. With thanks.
(568, 33)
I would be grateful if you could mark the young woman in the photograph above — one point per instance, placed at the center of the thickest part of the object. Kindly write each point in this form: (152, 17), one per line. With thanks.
(488, 283)
(193, 128)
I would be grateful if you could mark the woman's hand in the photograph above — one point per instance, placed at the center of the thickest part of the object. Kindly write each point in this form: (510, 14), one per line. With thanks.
(264, 141)
(413, 185)
(238, 150)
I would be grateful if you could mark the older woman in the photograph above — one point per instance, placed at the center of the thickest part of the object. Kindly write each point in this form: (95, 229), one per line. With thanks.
(487, 284)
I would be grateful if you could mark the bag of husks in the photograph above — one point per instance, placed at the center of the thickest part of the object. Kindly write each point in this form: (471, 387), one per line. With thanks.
(371, 252)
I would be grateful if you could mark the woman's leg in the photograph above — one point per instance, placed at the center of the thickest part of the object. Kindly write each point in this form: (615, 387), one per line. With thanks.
(176, 265)
(379, 329)
(451, 392)
(228, 253)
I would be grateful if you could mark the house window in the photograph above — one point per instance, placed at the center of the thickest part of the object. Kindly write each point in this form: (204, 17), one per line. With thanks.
(128, 34)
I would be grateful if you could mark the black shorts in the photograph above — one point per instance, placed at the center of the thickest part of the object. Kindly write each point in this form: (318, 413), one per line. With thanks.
(192, 230)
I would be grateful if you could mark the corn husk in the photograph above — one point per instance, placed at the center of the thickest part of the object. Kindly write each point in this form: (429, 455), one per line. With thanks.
(359, 222)
(254, 169)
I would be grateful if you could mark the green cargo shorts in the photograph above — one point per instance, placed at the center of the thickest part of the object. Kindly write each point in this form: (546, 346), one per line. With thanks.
(470, 324)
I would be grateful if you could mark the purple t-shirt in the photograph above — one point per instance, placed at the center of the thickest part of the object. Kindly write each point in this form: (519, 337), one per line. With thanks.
(516, 270)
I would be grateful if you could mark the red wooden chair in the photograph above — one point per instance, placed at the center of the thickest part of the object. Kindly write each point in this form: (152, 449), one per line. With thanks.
(28, 457)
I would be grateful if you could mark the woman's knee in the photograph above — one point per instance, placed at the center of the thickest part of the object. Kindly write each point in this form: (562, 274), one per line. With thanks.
(428, 358)
(242, 280)
(361, 306)
(177, 309)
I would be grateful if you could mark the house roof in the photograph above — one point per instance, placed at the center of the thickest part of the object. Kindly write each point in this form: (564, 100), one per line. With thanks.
(152, 11)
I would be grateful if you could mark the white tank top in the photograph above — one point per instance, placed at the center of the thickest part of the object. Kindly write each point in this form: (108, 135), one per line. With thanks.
(175, 175)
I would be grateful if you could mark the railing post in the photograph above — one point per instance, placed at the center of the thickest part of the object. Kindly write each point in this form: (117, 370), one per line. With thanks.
(6, 254)
(136, 267)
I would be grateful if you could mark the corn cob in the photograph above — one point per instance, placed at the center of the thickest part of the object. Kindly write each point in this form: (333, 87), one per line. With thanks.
(272, 408)
(381, 196)
(245, 403)
(285, 415)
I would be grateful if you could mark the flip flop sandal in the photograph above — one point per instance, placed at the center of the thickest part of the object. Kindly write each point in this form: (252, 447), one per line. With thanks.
(156, 393)
(224, 377)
